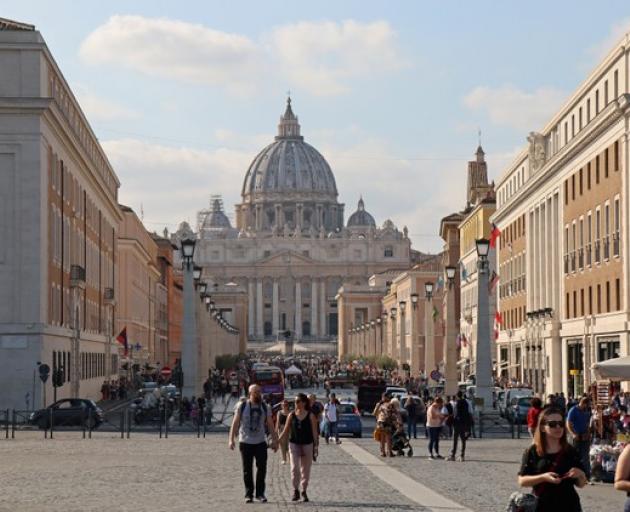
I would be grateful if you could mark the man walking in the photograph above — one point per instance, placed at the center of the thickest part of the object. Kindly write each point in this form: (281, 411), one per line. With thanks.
(578, 422)
(331, 415)
(253, 420)
(462, 423)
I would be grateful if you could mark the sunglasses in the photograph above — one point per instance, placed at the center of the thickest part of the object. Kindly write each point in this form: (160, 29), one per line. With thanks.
(555, 424)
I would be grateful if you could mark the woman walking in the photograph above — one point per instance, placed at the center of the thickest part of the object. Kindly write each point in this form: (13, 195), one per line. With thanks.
(281, 421)
(435, 419)
(553, 467)
(301, 430)
(387, 422)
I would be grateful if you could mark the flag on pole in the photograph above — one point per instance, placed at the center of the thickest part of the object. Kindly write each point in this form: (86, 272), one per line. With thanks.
(436, 313)
(122, 339)
(440, 283)
(498, 319)
(494, 279)
(494, 234)
(464, 273)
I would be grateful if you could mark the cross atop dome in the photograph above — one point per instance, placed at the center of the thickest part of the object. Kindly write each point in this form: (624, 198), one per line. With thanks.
(289, 127)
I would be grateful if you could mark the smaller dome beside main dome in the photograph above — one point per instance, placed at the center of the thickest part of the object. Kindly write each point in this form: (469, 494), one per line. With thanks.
(361, 218)
(217, 219)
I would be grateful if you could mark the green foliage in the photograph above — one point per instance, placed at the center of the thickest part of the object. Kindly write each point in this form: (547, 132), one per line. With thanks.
(227, 361)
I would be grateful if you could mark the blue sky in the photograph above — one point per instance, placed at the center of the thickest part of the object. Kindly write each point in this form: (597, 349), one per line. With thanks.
(183, 94)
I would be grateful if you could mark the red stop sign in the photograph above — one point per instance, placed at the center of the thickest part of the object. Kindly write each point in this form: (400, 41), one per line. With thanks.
(166, 372)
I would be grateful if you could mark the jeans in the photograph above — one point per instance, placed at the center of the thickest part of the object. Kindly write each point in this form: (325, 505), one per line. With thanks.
(459, 432)
(249, 452)
(332, 430)
(411, 427)
(434, 440)
(583, 448)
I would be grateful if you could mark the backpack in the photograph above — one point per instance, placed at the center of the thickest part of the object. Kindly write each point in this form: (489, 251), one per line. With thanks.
(462, 413)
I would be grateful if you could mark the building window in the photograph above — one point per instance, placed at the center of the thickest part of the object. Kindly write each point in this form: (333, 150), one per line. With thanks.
(616, 155)
(581, 301)
(566, 132)
(617, 294)
(581, 181)
(599, 299)
(616, 228)
(389, 251)
(590, 300)
(580, 118)
(607, 296)
(605, 92)
(606, 163)
(572, 125)
(566, 192)
(596, 102)
(597, 170)
(573, 187)
(588, 176)
(588, 110)
(567, 307)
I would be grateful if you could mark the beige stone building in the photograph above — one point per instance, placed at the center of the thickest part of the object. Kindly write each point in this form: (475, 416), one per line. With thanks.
(290, 250)
(58, 221)
(139, 289)
(562, 208)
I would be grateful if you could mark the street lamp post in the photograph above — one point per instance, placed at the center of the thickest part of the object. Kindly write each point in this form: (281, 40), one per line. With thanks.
(483, 356)
(189, 350)
(414, 347)
(450, 347)
(77, 283)
(403, 332)
(392, 315)
(379, 325)
(429, 346)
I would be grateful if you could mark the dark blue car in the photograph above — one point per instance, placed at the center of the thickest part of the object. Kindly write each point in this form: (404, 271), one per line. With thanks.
(348, 421)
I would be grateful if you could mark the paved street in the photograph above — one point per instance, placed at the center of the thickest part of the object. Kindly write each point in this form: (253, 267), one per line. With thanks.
(184, 473)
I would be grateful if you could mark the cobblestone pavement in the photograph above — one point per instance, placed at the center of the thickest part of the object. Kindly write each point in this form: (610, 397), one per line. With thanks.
(183, 473)
(485, 481)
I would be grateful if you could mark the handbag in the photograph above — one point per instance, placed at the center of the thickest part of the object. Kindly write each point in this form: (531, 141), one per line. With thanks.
(522, 502)
(377, 434)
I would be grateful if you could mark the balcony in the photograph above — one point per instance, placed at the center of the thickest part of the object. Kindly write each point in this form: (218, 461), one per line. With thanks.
(606, 248)
(598, 257)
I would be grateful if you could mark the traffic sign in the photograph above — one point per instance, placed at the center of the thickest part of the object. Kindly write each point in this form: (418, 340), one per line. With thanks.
(166, 372)
(44, 371)
(435, 375)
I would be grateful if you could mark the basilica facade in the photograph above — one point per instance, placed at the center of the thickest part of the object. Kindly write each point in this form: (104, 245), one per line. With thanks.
(280, 267)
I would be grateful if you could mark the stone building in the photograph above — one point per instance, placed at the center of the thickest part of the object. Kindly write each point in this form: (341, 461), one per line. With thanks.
(59, 221)
(562, 207)
(290, 250)
(139, 289)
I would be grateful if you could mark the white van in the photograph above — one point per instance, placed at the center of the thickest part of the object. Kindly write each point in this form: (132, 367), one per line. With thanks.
(511, 396)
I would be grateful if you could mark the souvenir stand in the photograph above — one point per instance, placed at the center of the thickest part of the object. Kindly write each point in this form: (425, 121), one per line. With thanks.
(608, 425)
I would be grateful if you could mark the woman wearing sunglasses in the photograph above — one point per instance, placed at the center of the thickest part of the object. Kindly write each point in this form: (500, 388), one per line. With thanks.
(553, 467)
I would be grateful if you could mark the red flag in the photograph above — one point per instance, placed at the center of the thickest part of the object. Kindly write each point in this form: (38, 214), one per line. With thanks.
(494, 234)
(498, 319)
(122, 339)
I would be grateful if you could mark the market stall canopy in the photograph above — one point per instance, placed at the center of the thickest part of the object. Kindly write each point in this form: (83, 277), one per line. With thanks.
(293, 370)
(617, 368)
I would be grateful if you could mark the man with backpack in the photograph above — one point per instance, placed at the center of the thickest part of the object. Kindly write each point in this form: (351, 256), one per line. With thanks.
(462, 423)
(253, 422)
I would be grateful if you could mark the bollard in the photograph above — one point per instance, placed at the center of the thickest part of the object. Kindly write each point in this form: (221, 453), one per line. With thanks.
(90, 423)
(480, 430)
(13, 424)
(83, 429)
(122, 424)
(160, 420)
(52, 422)
(128, 416)
(198, 428)
(512, 430)
(204, 422)
(518, 426)
(6, 427)
(165, 422)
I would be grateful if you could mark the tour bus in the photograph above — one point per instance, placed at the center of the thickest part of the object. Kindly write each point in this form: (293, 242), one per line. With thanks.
(271, 380)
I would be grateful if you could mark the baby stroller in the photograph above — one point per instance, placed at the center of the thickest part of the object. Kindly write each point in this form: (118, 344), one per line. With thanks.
(400, 443)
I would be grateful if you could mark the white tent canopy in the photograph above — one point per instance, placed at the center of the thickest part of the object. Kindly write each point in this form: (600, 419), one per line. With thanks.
(617, 368)
(293, 370)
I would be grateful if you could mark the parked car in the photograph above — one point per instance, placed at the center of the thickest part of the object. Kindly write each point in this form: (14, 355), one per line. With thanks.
(390, 391)
(518, 409)
(511, 393)
(421, 410)
(348, 420)
(68, 412)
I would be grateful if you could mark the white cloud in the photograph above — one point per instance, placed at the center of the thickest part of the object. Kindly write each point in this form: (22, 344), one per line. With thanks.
(323, 57)
(97, 108)
(513, 107)
(168, 48)
(173, 183)
(601, 49)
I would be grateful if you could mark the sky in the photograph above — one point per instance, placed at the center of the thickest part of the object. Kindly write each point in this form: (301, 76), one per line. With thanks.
(183, 95)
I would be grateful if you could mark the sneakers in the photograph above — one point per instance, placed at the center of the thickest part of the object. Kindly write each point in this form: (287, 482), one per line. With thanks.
(338, 441)
(461, 458)
(438, 456)
(262, 499)
(431, 457)
(249, 499)
(296, 495)
(450, 458)
(304, 497)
